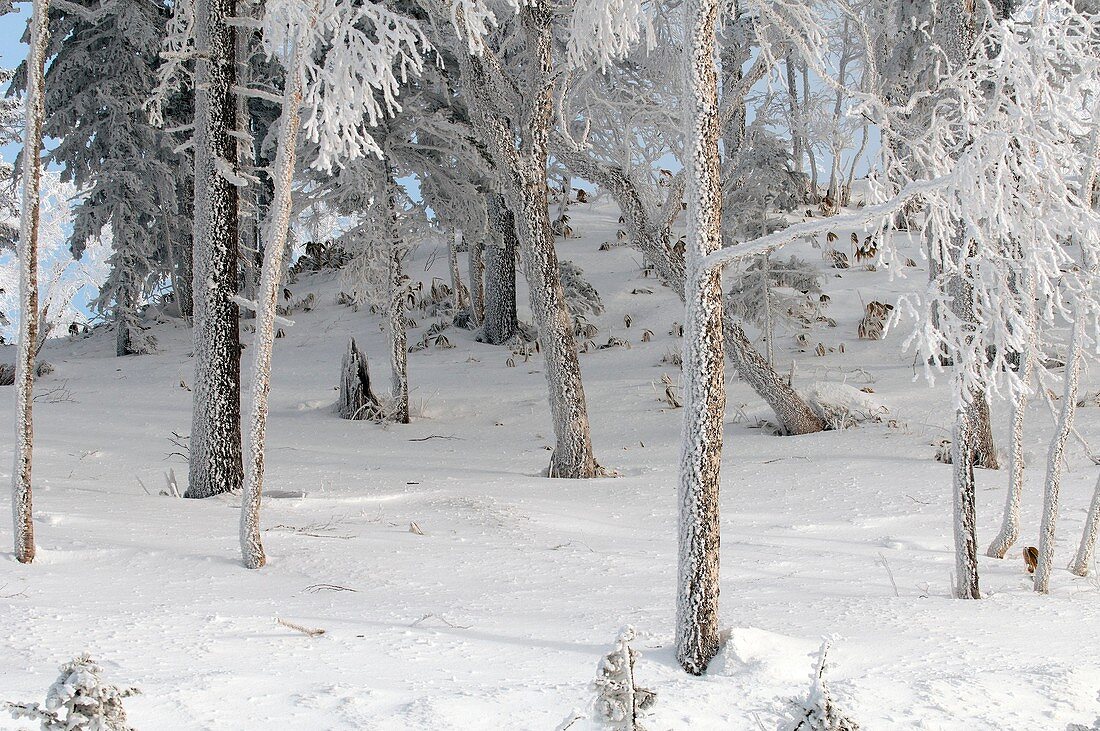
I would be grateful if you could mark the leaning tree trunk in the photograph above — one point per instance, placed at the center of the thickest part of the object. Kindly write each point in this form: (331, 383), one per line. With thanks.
(27, 253)
(215, 458)
(1083, 560)
(704, 359)
(501, 323)
(267, 301)
(399, 349)
(1057, 452)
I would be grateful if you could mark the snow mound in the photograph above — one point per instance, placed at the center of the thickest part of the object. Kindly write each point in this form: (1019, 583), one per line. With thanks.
(766, 656)
(842, 406)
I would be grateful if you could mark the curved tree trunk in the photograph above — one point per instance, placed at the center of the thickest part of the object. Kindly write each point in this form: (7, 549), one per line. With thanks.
(27, 250)
(215, 458)
(703, 377)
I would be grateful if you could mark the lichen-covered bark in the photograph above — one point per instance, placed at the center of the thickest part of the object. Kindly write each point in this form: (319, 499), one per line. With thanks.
(501, 323)
(704, 358)
(267, 298)
(215, 460)
(27, 253)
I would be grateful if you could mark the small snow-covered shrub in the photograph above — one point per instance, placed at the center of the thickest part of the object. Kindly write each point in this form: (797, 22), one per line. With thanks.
(789, 292)
(79, 700)
(580, 296)
(819, 711)
(842, 406)
(620, 704)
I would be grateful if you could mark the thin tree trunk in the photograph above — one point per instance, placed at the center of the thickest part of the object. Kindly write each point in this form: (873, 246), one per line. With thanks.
(1010, 524)
(399, 348)
(965, 516)
(501, 323)
(1083, 560)
(476, 260)
(805, 134)
(271, 278)
(456, 275)
(27, 252)
(215, 458)
(1056, 455)
(704, 358)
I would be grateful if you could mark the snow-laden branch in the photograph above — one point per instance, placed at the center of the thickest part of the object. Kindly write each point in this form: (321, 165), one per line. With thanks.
(864, 216)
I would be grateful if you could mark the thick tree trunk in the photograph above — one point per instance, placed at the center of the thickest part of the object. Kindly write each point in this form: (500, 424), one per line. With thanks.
(399, 347)
(501, 323)
(27, 252)
(704, 360)
(270, 286)
(1057, 451)
(215, 459)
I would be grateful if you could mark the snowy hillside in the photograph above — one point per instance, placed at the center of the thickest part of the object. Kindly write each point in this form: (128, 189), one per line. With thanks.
(459, 589)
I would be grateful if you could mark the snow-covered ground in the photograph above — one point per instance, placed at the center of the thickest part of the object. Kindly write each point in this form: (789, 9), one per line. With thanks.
(496, 617)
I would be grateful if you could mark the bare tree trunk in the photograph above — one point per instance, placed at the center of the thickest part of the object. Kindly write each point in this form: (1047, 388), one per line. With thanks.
(271, 280)
(805, 134)
(215, 458)
(703, 371)
(357, 400)
(399, 344)
(1057, 452)
(1083, 560)
(27, 253)
(501, 323)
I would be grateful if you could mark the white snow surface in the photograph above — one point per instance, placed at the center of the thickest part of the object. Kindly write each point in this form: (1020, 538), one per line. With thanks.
(496, 617)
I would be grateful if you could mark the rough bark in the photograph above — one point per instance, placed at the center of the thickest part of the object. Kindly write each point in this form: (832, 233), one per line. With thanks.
(357, 401)
(704, 360)
(460, 293)
(501, 323)
(271, 281)
(1057, 451)
(27, 252)
(215, 460)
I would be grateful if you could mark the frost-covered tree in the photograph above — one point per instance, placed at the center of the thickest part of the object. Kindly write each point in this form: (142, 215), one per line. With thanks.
(620, 703)
(79, 700)
(704, 357)
(27, 254)
(102, 71)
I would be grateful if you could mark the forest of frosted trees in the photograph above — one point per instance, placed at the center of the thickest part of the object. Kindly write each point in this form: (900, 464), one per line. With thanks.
(208, 152)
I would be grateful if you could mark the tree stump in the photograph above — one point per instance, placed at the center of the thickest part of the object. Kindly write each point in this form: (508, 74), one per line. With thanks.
(357, 402)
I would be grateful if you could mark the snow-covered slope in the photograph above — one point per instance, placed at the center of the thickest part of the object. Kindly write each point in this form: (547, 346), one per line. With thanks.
(496, 617)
